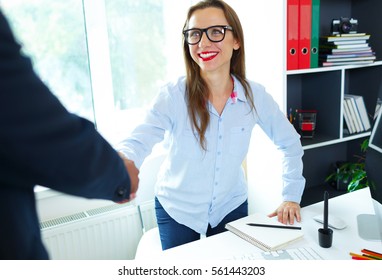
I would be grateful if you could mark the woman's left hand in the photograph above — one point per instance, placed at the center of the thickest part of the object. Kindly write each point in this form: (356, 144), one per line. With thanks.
(287, 212)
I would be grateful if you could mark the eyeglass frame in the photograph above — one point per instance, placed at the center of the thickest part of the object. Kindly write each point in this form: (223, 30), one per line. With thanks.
(204, 30)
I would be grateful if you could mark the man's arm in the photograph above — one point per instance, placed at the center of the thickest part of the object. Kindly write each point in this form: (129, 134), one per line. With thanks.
(42, 143)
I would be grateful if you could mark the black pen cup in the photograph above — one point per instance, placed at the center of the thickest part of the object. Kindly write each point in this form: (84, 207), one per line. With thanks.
(325, 237)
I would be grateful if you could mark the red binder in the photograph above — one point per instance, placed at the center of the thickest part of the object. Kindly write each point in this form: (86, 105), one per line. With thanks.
(292, 34)
(305, 31)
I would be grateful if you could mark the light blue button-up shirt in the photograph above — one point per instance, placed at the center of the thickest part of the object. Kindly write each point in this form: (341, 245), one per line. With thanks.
(198, 187)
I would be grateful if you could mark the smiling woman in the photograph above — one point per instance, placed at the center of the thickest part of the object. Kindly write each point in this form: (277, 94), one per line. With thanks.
(209, 115)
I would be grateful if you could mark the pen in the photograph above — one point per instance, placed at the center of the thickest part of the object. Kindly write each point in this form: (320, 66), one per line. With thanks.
(326, 210)
(371, 257)
(357, 256)
(272, 226)
(372, 254)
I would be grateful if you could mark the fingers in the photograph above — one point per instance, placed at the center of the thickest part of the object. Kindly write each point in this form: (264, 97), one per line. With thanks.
(274, 213)
(131, 197)
(133, 174)
(284, 216)
(287, 212)
(298, 216)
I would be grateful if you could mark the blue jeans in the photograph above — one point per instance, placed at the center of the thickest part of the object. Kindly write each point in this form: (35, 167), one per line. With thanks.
(173, 234)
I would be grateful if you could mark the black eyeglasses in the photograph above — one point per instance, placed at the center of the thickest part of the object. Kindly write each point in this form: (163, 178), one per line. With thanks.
(214, 33)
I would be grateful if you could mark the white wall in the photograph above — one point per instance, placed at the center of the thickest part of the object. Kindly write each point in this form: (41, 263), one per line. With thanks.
(263, 23)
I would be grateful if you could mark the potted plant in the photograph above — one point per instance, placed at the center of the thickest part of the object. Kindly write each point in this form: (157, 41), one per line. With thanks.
(352, 175)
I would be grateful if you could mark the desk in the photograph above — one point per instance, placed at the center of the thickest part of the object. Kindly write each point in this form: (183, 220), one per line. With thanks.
(347, 206)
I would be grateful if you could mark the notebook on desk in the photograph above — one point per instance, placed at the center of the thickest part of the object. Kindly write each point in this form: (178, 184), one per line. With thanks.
(266, 233)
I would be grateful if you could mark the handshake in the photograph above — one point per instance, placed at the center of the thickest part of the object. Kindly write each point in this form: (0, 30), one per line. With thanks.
(133, 173)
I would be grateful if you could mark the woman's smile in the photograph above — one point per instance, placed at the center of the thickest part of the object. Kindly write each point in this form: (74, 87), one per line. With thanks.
(206, 56)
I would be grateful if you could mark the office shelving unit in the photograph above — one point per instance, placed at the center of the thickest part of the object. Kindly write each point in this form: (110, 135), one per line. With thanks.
(323, 88)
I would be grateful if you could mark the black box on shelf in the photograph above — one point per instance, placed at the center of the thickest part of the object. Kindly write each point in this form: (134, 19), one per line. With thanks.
(306, 122)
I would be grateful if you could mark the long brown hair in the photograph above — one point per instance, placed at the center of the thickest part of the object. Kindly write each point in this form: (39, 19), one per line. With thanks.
(197, 91)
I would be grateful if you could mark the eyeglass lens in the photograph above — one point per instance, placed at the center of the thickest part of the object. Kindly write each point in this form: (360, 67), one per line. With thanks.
(214, 34)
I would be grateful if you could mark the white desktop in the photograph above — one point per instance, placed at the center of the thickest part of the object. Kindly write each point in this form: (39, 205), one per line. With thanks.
(227, 245)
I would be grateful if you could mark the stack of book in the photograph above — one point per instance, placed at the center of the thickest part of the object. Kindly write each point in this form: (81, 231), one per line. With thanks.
(355, 114)
(343, 49)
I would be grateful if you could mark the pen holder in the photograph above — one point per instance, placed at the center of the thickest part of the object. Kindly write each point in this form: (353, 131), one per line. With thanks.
(325, 237)
(306, 122)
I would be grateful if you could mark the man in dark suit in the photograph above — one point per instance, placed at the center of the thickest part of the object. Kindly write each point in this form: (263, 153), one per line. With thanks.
(41, 143)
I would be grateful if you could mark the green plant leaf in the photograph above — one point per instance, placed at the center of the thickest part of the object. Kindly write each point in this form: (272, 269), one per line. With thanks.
(352, 173)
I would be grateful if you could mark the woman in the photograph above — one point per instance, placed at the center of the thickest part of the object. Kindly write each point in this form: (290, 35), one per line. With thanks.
(209, 116)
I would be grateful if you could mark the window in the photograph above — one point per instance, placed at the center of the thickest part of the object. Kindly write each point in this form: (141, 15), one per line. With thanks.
(53, 34)
(104, 59)
(140, 43)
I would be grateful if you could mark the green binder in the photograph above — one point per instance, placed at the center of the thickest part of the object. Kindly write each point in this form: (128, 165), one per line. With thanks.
(315, 35)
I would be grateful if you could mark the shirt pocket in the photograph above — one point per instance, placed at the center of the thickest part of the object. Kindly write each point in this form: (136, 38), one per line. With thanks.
(189, 146)
(240, 137)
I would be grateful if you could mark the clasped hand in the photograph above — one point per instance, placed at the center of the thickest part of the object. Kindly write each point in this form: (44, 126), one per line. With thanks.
(133, 174)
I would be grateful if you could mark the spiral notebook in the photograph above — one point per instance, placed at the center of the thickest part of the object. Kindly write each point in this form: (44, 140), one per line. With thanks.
(266, 238)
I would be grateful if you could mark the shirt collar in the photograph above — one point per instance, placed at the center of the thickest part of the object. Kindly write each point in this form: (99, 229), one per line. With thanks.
(238, 88)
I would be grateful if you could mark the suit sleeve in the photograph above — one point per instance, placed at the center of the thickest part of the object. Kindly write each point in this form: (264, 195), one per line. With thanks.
(42, 143)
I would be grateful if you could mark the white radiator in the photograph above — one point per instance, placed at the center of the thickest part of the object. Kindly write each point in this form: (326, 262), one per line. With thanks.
(147, 211)
(110, 232)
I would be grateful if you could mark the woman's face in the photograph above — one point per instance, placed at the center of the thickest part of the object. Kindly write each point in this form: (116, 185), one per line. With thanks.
(210, 56)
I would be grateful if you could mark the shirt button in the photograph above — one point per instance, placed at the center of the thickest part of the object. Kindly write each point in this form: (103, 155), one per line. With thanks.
(121, 192)
(220, 137)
